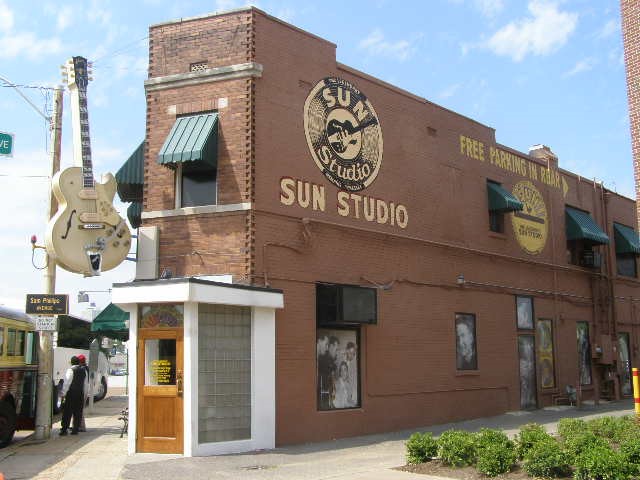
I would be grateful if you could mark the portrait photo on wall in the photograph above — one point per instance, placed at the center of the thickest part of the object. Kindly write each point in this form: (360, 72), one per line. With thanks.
(466, 354)
(524, 309)
(338, 372)
(584, 352)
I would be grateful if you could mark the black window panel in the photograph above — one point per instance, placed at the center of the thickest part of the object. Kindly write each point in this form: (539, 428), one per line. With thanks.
(358, 304)
(326, 304)
(496, 221)
(626, 264)
(198, 187)
(345, 304)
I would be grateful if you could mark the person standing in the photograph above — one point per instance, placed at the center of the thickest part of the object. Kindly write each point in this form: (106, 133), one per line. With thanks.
(83, 364)
(73, 390)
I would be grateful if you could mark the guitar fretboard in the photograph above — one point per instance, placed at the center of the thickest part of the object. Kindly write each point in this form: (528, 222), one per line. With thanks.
(87, 168)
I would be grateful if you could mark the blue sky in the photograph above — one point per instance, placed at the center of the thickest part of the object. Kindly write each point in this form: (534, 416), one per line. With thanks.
(538, 71)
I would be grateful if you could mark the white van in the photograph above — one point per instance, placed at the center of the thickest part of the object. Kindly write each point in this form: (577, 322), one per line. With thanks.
(61, 362)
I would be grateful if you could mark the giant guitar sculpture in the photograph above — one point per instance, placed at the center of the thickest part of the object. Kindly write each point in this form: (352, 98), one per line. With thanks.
(86, 235)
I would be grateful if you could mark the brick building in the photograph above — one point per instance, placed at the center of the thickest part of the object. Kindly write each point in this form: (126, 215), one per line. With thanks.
(323, 255)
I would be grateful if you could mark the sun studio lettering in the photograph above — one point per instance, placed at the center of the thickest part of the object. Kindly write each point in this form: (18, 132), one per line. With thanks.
(347, 204)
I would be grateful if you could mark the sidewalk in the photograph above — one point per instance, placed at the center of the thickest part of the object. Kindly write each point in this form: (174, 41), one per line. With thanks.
(100, 453)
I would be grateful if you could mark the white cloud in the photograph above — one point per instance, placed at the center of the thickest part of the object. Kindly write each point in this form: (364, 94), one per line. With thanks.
(375, 44)
(610, 28)
(545, 31)
(583, 65)
(64, 17)
(26, 44)
(6, 17)
(450, 90)
(489, 8)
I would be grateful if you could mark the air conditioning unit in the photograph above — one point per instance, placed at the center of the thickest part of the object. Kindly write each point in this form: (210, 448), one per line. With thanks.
(591, 259)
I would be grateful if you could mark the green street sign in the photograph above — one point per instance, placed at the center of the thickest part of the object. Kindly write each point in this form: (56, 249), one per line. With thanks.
(6, 144)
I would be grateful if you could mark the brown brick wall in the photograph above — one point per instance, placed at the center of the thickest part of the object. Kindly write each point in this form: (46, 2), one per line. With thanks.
(408, 373)
(630, 10)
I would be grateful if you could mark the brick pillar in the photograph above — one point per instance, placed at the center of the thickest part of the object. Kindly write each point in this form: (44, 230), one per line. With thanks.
(630, 10)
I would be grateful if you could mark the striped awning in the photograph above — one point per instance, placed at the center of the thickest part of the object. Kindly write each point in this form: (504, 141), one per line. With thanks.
(500, 200)
(581, 226)
(191, 139)
(627, 240)
(134, 214)
(130, 176)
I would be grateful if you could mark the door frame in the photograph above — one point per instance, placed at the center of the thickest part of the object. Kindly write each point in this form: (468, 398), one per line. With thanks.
(160, 445)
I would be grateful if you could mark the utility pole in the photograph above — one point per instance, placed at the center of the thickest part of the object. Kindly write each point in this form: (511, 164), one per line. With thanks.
(45, 351)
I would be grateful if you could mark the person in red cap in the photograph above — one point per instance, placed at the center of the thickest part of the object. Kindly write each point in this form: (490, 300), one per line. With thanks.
(83, 364)
(73, 390)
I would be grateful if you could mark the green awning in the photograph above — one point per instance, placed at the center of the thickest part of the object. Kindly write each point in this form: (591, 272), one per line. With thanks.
(627, 240)
(581, 226)
(110, 322)
(130, 177)
(191, 139)
(500, 200)
(134, 214)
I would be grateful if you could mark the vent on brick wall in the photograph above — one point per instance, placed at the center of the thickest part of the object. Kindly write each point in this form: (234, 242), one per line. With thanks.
(198, 67)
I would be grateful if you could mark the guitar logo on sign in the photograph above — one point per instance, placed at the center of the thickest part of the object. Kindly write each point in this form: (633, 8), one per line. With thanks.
(86, 235)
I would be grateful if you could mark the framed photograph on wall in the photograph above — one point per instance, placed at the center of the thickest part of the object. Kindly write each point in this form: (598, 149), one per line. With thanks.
(466, 351)
(524, 312)
(338, 368)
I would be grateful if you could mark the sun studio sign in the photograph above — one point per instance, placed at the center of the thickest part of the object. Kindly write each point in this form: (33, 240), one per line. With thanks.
(344, 137)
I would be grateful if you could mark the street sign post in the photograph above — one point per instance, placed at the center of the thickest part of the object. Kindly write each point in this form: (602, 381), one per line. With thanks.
(47, 304)
(6, 144)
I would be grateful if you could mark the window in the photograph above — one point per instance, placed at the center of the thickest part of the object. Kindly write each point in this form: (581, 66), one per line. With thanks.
(345, 304)
(500, 202)
(224, 373)
(196, 185)
(583, 233)
(627, 248)
(626, 264)
(338, 370)
(339, 311)
(524, 312)
(466, 352)
(15, 342)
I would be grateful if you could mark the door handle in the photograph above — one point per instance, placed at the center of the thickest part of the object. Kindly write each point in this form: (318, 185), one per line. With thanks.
(179, 382)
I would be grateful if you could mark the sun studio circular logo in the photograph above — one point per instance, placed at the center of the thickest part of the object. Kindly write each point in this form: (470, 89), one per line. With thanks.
(343, 134)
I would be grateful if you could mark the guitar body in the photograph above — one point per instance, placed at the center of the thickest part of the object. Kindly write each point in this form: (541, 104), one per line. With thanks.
(86, 235)
(86, 226)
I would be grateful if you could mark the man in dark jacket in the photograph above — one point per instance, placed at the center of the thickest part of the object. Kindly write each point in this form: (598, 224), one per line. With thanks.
(73, 390)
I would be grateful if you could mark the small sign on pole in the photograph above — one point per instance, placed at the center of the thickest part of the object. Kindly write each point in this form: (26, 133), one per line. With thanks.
(47, 324)
(47, 304)
(6, 144)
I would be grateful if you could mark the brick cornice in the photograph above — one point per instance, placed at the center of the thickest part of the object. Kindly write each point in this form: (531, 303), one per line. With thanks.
(217, 74)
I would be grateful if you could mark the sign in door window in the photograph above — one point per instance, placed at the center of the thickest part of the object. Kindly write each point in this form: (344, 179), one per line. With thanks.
(160, 362)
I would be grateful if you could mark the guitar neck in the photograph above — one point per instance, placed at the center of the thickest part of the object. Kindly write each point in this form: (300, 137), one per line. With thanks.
(81, 137)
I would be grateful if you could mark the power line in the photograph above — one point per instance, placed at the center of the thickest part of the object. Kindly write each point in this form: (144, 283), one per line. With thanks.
(37, 87)
(121, 50)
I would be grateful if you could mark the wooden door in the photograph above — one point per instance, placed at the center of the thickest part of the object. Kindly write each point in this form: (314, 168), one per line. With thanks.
(160, 382)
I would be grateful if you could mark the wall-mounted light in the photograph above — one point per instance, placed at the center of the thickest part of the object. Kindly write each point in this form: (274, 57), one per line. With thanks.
(460, 279)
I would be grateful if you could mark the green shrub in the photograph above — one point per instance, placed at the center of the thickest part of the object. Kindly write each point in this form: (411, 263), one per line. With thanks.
(487, 437)
(421, 447)
(630, 451)
(496, 458)
(600, 463)
(546, 459)
(612, 428)
(528, 436)
(628, 428)
(575, 445)
(569, 427)
(457, 448)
